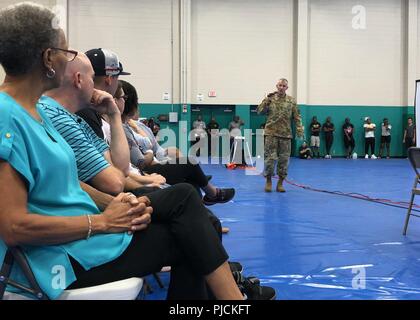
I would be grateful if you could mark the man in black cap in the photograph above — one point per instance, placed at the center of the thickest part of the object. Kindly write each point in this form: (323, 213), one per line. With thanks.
(107, 69)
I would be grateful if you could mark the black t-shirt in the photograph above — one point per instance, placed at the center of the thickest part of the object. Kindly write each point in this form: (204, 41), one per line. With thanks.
(410, 131)
(315, 126)
(303, 154)
(93, 119)
(349, 129)
(213, 126)
(328, 126)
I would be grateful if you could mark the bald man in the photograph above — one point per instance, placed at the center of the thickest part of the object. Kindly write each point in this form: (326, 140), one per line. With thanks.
(108, 68)
(103, 167)
(281, 109)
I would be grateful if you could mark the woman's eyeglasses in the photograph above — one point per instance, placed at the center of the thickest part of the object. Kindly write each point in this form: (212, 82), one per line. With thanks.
(70, 54)
(122, 97)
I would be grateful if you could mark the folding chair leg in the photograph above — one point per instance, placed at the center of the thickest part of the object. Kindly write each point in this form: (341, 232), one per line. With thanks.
(158, 280)
(407, 219)
(5, 271)
(249, 154)
(146, 287)
(235, 147)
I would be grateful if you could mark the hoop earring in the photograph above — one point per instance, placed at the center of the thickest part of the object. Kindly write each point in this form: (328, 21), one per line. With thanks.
(51, 74)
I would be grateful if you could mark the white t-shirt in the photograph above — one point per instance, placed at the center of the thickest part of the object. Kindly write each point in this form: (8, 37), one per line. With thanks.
(386, 132)
(370, 134)
(106, 129)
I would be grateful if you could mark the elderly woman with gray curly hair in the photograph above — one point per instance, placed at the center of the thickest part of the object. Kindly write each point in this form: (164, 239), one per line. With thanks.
(45, 212)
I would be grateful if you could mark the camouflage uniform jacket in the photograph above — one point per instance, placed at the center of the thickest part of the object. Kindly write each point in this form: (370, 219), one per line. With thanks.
(280, 112)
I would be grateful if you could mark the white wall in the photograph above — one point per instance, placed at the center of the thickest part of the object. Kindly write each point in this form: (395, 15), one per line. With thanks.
(356, 67)
(138, 31)
(240, 48)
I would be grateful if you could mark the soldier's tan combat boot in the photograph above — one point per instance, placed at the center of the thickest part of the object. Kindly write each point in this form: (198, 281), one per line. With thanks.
(280, 187)
(268, 185)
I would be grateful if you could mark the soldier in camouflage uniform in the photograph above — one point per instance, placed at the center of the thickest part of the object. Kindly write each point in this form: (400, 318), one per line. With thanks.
(281, 109)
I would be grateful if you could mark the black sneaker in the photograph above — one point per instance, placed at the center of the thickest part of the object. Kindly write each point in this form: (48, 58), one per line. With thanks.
(223, 196)
(236, 267)
(251, 288)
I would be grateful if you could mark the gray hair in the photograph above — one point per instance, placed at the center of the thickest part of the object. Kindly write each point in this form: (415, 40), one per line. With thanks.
(283, 80)
(26, 30)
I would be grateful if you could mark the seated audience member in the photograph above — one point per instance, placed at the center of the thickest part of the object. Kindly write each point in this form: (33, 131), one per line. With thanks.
(305, 151)
(104, 167)
(143, 131)
(174, 173)
(106, 79)
(56, 223)
(120, 99)
(151, 123)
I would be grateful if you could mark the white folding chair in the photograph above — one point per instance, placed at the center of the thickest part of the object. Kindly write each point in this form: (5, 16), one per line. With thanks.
(128, 289)
(414, 157)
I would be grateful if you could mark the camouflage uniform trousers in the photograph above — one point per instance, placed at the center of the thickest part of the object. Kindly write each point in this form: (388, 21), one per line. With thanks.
(276, 149)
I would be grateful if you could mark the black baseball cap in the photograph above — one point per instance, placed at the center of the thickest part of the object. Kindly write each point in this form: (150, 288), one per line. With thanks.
(105, 63)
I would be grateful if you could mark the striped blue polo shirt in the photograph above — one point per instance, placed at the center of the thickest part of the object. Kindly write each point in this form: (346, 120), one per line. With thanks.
(88, 148)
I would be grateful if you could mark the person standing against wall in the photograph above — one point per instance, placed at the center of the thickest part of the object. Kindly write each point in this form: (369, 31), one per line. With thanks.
(328, 129)
(235, 127)
(199, 124)
(213, 133)
(199, 131)
(315, 139)
(281, 109)
(369, 138)
(213, 125)
(349, 143)
(386, 138)
(410, 134)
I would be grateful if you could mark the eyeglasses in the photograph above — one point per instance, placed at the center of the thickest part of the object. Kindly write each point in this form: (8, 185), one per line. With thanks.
(70, 54)
(122, 97)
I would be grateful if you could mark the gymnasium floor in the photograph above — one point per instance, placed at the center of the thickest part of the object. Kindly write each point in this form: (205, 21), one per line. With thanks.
(317, 246)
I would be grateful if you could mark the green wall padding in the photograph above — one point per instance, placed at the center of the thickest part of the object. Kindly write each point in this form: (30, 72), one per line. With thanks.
(397, 116)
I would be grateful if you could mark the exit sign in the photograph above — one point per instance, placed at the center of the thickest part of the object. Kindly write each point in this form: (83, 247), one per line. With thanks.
(212, 94)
